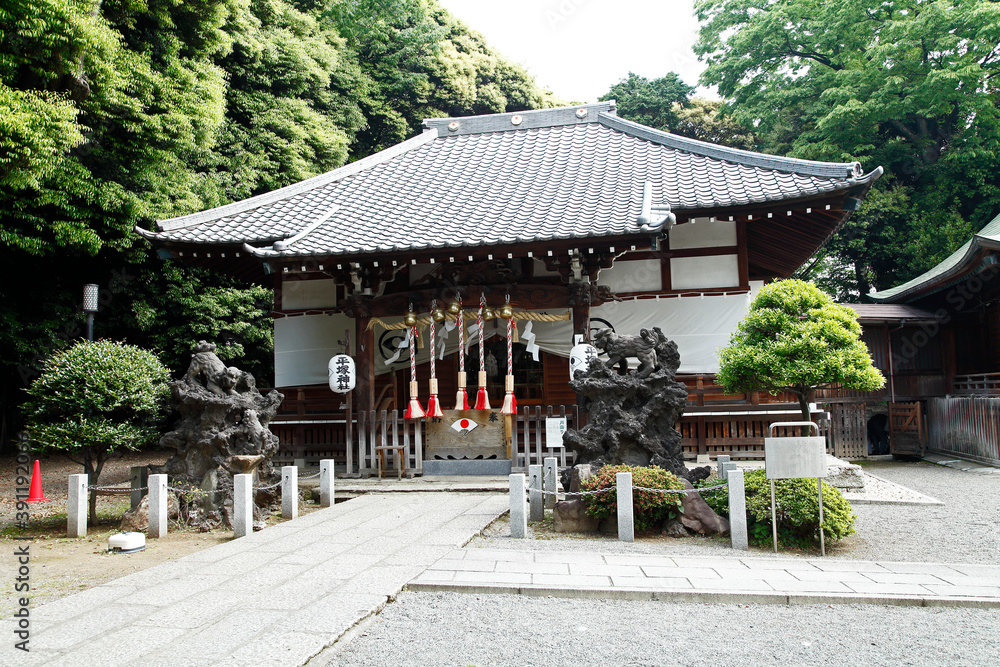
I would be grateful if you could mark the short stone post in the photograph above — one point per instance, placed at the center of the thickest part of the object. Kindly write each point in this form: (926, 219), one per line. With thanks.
(725, 469)
(139, 476)
(551, 464)
(289, 492)
(76, 507)
(738, 510)
(626, 525)
(242, 505)
(719, 467)
(518, 509)
(536, 510)
(326, 482)
(157, 506)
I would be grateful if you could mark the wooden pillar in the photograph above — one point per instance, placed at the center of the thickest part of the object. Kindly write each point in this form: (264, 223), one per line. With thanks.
(359, 307)
(580, 298)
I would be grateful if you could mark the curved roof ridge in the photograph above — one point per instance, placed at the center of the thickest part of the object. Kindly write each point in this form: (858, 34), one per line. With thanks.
(987, 238)
(737, 155)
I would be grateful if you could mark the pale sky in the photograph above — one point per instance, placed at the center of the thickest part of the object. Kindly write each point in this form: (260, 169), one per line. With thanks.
(580, 48)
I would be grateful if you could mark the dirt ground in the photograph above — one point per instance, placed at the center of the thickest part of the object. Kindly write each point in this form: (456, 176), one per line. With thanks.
(61, 566)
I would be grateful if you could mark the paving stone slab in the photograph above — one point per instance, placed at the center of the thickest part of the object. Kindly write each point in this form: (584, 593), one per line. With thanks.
(493, 577)
(673, 572)
(277, 648)
(98, 620)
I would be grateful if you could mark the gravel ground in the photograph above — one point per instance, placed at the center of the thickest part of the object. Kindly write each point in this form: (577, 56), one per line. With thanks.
(461, 629)
(423, 629)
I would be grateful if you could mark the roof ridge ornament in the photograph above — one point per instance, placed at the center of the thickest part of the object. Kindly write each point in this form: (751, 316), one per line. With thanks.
(653, 217)
(305, 231)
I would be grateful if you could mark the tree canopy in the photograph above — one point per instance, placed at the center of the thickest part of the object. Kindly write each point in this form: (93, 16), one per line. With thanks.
(794, 338)
(910, 85)
(116, 114)
(666, 104)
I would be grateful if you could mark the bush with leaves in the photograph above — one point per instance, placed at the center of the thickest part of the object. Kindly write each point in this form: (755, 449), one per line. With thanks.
(649, 508)
(97, 399)
(797, 510)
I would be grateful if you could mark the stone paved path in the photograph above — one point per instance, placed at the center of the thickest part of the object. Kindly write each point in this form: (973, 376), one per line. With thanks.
(689, 578)
(276, 597)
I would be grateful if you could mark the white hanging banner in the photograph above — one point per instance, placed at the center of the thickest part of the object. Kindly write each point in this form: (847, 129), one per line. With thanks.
(529, 340)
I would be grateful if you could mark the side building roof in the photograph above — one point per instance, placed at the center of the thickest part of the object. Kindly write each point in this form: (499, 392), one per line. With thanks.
(503, 179)
(956, 266)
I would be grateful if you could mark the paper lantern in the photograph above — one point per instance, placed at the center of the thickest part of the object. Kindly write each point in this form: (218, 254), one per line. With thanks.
(343, 375)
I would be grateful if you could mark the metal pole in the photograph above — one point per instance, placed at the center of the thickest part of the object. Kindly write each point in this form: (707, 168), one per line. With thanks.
(90, 327)
(774, 521)
(822, 540)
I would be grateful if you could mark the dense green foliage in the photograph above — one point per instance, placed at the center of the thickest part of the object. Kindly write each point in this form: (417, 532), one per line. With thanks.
(666, 104)
(95, 399)
(910, 85)
(796, 508)
(795, 339)
(115, 114)
(650, 509)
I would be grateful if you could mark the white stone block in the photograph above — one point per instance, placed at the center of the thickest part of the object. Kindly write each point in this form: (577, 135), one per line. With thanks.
(76, 506)
(326, 482)
(157, 506)
(289, 492)
(626, 525)
(550, 484)
(536, 511)
(518, 509)
(242, 505)
(738, 510)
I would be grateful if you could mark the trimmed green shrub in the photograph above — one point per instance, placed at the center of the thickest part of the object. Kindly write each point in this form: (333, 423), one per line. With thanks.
(650, 509)
(97, 399)
(797, 510)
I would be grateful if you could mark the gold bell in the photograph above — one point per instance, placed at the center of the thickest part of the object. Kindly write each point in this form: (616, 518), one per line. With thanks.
(488, 313)
(506, 312)
(438, 314)
(410, 318)
(453, 307)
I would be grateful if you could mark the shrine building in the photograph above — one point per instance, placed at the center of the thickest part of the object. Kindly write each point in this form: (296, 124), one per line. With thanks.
(573, 218)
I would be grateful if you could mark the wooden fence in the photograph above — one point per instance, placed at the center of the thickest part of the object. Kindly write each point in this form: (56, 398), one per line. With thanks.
(966, 426)
(314, 440)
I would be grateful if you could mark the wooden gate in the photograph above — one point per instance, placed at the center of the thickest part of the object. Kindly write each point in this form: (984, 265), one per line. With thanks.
(849, 430)
(906, 429)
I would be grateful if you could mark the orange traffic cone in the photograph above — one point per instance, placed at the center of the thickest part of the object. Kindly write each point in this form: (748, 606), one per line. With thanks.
(35, 492)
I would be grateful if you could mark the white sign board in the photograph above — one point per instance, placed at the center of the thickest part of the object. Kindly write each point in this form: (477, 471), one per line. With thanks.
(795, 457)
(554, 429)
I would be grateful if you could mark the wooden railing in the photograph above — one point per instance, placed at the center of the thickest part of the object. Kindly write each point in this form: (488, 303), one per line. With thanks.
(978, 384)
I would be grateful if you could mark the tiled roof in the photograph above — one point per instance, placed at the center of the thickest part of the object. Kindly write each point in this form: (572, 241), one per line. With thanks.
(536, 176)
(956, 265)
(890, 312)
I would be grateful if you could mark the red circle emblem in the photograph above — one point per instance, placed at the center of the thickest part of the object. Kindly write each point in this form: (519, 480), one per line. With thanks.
(464, 423)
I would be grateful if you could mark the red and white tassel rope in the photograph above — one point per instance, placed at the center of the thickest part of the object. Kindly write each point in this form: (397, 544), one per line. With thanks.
(433, 406)
(509, 406)
(413, 410)
(461, 397)
(482, 398)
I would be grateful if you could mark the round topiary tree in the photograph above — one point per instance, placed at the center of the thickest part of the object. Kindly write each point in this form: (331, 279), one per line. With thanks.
(97, 399)
(794, 338)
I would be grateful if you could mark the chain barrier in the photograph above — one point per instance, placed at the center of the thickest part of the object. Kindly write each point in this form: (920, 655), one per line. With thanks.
(120, 489)
(267, 488)
(310, 476)
(196, 492)
(634, 488)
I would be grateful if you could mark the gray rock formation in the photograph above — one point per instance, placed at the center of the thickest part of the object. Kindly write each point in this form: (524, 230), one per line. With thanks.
(223, 430)
(632, 414)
